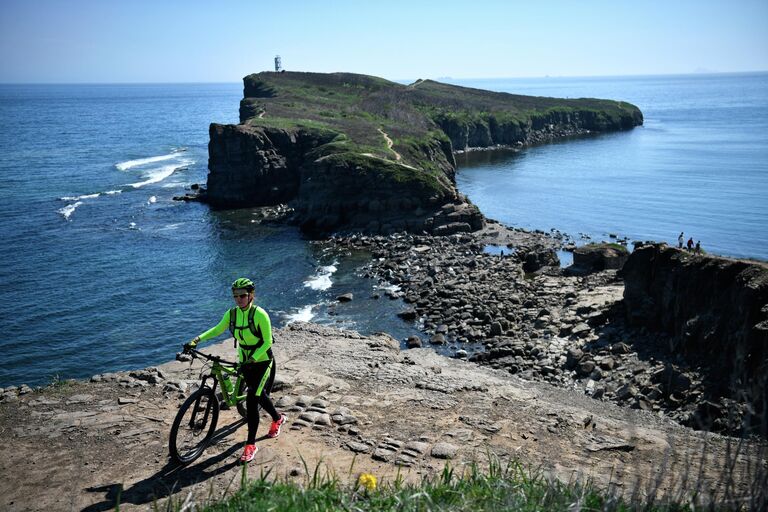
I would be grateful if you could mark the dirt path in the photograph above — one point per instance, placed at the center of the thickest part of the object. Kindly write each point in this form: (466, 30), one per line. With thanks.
(348, 398)
(390, 144)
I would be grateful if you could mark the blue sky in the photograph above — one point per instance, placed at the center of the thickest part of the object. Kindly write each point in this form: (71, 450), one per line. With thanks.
(195, 41)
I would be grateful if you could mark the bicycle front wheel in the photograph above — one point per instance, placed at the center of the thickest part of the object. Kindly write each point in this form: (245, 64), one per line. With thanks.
(194, 426)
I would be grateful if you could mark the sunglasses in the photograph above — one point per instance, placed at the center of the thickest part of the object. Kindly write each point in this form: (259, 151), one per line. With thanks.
(239, 295)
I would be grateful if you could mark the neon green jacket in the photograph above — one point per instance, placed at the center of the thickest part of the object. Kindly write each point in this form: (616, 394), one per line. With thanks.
(250, 348)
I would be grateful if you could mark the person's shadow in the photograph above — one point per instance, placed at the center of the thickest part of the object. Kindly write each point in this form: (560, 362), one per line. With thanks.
(170, 479)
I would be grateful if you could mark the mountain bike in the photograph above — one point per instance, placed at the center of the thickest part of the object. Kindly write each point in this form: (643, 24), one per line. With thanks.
(195, 423)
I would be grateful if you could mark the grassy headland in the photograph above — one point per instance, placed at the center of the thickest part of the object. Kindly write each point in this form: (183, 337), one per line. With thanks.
(359, 151)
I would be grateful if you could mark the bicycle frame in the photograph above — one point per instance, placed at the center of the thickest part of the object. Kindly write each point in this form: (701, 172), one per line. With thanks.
(218, 373)
(221, 372)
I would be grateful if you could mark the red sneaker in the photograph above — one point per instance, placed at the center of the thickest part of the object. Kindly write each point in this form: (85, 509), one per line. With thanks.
(249, 453)
(274, 429)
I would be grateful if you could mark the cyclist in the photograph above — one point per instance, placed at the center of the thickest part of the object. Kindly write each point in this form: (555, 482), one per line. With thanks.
(252, 330)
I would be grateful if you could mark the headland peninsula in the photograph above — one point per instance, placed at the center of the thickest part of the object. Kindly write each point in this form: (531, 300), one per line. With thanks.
(353, 152)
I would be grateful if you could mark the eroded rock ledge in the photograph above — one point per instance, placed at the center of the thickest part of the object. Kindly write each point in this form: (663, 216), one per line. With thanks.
(352, 402)
(714, 313)
(355, 152)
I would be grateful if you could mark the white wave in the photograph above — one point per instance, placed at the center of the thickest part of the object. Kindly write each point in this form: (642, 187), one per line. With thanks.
(113, 192)
(124, 166)
(157, 175)
(152, 199)
(69, 209)
(394, 288)
(322, 280)
(78, 198)
(303, 315)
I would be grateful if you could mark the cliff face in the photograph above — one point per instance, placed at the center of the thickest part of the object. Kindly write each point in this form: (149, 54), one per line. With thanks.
(358, 152)
(714, 309)
(487, 130)
(256, 167)
(261, 166)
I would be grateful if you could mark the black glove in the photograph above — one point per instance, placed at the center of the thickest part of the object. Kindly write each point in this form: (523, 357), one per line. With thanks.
(190, 345)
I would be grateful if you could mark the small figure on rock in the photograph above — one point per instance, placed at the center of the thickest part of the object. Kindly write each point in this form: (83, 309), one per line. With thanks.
(697, 250)
(680, 240)
(690, 244)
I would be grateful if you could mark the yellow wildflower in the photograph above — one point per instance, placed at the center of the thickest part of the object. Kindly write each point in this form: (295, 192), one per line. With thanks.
(367, 480)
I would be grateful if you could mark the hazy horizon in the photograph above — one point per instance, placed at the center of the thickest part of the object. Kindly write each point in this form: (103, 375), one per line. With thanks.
(90, 41)
(409, 80)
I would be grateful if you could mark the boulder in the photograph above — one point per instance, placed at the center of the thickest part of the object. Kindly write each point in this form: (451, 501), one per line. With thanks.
(597, 257)
(413, 342)
(538, 257)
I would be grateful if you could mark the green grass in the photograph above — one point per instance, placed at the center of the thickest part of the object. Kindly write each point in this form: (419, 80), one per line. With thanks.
(497, 488)
(612, 245)
(57, 383)
(286, 123)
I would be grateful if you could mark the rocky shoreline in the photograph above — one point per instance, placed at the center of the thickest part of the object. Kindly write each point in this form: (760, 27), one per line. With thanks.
(515, 309)
(520, 312)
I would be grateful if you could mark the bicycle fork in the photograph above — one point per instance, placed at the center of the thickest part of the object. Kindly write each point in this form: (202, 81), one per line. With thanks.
(196, 410)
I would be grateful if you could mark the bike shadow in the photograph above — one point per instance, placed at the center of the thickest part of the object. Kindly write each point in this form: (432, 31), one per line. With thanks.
(171, 478)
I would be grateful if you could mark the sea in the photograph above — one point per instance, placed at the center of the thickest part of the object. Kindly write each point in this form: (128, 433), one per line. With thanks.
(103, 271)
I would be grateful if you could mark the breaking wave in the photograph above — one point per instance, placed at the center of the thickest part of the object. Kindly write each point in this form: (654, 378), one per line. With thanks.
(157, 175)
(304, 314)
(124, 166)
(68, 210)
(322, 280)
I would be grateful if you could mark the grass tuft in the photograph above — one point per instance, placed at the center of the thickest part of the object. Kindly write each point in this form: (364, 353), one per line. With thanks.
(498, 487)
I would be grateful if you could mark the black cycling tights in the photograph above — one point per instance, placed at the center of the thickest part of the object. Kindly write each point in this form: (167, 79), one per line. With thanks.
(253, 373)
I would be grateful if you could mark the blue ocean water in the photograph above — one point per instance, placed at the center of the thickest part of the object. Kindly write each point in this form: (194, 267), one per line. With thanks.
(102, 270)
(698, 165)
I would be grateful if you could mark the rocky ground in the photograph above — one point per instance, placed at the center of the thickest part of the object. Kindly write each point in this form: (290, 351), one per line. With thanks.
(354, 404)
(522, 313)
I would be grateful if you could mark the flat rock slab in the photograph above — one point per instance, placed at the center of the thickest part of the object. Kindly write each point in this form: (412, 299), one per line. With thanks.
(444, 451)
(401, 429)
(603, 442)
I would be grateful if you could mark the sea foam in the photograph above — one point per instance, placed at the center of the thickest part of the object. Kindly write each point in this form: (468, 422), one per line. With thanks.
(302, 315)
(124, 166)
(78, 198)
(322, 280)
(68, 210)
(158, 175)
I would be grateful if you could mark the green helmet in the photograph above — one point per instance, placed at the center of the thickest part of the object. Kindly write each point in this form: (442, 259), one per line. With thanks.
(243, 283)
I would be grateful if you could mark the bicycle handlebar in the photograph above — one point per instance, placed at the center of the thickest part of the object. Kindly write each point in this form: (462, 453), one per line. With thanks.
(196, 353)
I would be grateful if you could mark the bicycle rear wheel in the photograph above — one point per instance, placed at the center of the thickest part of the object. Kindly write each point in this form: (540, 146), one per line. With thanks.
(194, 426)
(242, 408)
